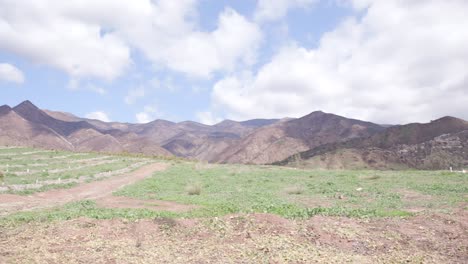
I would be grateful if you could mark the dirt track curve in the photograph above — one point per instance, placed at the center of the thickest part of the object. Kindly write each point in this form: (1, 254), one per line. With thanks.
(94, 190)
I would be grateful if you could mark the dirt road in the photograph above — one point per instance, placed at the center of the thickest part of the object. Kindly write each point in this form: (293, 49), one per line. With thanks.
(94, 190)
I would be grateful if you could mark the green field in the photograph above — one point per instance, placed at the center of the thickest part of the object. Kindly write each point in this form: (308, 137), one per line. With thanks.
(48, 169)
(226, 189)
(287, 192)
(236, 213)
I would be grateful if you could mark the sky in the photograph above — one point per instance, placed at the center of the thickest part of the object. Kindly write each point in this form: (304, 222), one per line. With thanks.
(385, 61)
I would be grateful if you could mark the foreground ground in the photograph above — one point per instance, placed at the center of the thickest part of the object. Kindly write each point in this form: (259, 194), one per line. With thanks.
(240, 238)
(179, 212)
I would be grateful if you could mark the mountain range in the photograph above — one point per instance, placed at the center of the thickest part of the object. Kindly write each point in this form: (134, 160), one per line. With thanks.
(318, 139)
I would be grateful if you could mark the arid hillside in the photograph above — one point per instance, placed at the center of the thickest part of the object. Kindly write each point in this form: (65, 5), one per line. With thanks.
(440, 144)
(280, 140)
(316, 140)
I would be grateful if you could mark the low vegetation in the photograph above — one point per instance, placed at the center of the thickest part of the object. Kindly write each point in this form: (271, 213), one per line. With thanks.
(26, 170)
(302, 193)
(259, 214)
(193, 189)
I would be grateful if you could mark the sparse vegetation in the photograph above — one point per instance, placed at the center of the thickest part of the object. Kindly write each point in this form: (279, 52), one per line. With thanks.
(294, 189)
(371, 177)
(247, 205)
(295, 193)
(193, 189)
(32, 170)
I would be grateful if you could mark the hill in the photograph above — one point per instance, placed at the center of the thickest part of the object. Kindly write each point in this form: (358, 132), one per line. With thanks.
(282, 139)
(440, 144)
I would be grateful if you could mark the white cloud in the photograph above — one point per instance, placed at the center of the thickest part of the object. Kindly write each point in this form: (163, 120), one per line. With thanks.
(198, 53)
(99, 115)
(207, 118)
(148, 114)
(134, 94)
(401, 61)
(10, 73)
(76, 85)
(270, 10)
(92, 39)
(47, 32)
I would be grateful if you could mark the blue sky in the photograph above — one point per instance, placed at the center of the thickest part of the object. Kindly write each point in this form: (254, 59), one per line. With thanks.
(209, 60)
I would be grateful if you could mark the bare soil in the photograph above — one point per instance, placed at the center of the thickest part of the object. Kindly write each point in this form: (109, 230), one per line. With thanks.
(94, 190)
(241, 238)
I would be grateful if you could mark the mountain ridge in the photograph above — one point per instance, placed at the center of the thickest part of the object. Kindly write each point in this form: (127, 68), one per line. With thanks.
(256, 141)
(439, 144)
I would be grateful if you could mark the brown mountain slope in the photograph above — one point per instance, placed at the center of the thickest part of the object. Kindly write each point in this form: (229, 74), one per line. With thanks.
(17, 131)
(101, 125)
(185, 139)
(280, 140)
(27, 125)
(440, 144)
(33, 114)
(201, 146)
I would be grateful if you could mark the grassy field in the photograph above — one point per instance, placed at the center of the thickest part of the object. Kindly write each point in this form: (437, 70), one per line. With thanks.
(238, 214)
(290, 193)
(226, 189)
(27, 170)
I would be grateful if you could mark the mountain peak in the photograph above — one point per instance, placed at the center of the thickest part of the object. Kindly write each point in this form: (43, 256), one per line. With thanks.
(447, 119)
(25, 105)
(4, 109)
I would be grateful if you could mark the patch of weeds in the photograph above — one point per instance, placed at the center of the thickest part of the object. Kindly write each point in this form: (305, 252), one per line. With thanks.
(294, 189)
(347, 212)
(44, 188)
(193, 189)
(165, 223)
(371, 177)
(85, 208)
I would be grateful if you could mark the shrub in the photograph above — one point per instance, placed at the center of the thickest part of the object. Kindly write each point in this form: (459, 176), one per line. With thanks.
(1, 175)
(371, 177)
(294, 190)
(193, 189)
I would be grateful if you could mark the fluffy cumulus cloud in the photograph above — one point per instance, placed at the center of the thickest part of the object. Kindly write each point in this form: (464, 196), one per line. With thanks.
(399, 61)
(148, 114)
(93, 39)
(9, 73)
(207, 118)
(99, 115)
(270, 10)
(48, 32)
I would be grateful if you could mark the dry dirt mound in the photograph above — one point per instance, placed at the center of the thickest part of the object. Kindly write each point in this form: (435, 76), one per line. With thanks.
(257, 238)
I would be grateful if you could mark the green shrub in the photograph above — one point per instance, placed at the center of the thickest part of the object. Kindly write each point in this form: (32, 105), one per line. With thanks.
(193, 189)
(294, 190)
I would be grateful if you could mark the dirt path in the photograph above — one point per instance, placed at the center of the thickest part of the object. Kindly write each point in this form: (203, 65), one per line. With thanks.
(95, 190)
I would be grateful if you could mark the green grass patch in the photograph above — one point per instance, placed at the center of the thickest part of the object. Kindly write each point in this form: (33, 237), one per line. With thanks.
(85, 208)
(44, 188)
(296, 193)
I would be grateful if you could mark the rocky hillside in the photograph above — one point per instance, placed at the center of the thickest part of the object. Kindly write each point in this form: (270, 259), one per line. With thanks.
(27, 125)
(440, 144)
(315, 140)
(278, 141)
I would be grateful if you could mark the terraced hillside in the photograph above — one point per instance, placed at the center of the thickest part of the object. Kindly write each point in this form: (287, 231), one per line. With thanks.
(28, 170)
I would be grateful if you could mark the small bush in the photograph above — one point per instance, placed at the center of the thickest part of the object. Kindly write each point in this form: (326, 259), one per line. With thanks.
(193, 189)
(1, 175)
(371, 177)
(294, 190)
